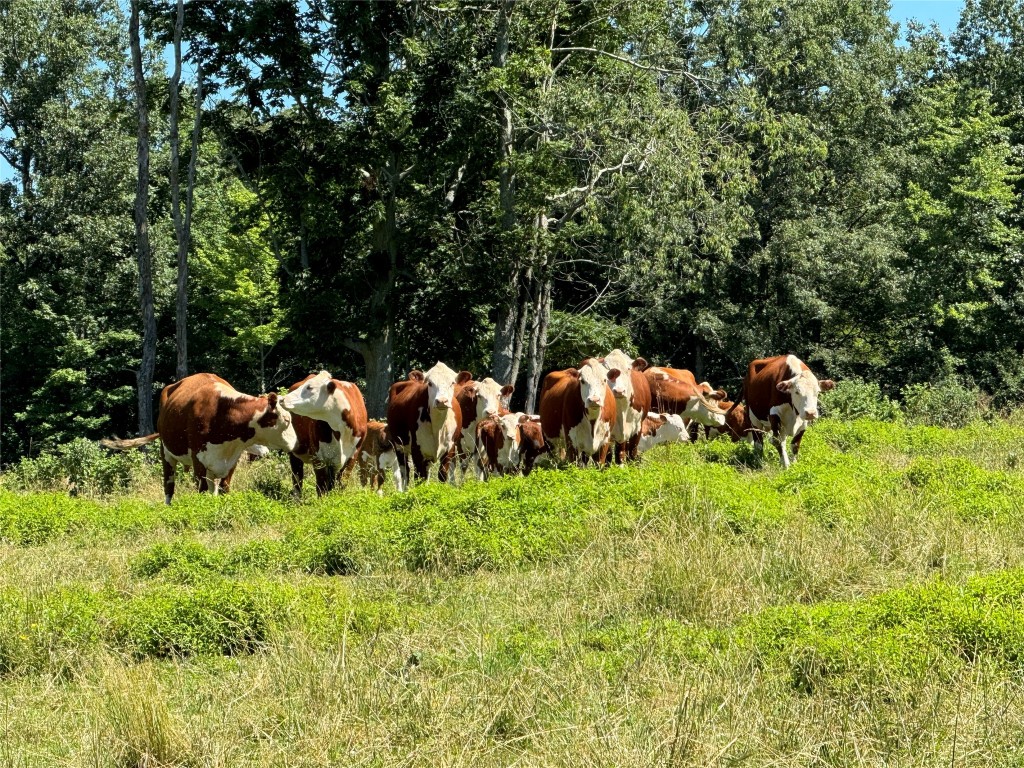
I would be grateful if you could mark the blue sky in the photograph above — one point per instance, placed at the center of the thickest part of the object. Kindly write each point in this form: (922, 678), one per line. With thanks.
(945, 13)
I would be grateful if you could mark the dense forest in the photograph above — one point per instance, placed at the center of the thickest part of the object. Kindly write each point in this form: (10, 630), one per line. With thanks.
(263, 188)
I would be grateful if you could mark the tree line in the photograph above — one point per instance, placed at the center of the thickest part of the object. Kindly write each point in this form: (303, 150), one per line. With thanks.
(369, 187)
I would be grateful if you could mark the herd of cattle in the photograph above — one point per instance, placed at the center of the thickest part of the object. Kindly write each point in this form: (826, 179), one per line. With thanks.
(609, 405)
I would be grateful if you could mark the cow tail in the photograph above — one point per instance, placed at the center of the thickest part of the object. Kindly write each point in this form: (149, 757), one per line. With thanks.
(127, 445)
(743, 394)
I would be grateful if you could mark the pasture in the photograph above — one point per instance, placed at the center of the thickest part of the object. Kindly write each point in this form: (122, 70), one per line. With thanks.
(700, 608)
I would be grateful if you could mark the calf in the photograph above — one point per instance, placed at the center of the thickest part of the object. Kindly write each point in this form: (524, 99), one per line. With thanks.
(782, 396)
(425, 420)
(632, 401)
(675, 390)
(532, 445)
(577, 410)
(498, 439)
(378, 455)
(206, 424)
(478, 401)
(331, 418)
(662, 429)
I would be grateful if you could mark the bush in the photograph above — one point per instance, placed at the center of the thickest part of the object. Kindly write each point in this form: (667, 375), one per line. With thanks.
(81, 467)
(947, 403)
(855, 399)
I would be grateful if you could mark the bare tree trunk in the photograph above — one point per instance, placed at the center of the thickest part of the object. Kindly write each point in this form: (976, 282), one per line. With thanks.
(504, 363)
(538, 343)
(378, 356)
(148, 361)
(182, 228)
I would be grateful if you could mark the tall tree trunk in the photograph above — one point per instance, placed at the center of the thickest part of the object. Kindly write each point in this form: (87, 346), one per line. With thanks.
(504, 363)
(148, 362)
(378, 356)
(182, 225)
(538, 342)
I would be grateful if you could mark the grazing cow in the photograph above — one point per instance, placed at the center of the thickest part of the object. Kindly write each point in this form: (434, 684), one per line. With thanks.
(497, 447)
(378, 455)
(661, 429)
(330, 419)
(577, 410)
(532, 445)
(737, 423)
(675, 390)
(478, 400)
(632, 401)
(206, 424)
(782, 395)
(425, 420)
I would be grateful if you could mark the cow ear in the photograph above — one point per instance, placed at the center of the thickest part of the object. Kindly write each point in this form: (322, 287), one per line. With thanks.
(523, 418)
(613, 374)
(507, 390)
(663, 418)
(826, 384)
(331, 386)
(272, 400)
(574, 372)
(463, 377)
(786, 386)
(719, 394)
(639, 364)
(415, 375)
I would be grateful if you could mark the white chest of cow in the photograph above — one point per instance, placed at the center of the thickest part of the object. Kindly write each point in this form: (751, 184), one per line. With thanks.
(589, 438)
(435, 435)
(220, 458)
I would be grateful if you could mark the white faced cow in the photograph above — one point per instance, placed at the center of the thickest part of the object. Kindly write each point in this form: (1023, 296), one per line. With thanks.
(632, 401)
(662, 429)
(577, 410)
(782, 396)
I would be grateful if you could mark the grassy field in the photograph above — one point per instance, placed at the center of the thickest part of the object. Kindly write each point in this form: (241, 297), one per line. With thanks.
(702, 608)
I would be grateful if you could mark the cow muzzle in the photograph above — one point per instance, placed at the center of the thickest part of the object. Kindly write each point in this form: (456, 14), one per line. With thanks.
(810, 416)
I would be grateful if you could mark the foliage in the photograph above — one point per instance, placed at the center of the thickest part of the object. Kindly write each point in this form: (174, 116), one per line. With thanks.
(947, 404)
(80, 467)
(855, 399)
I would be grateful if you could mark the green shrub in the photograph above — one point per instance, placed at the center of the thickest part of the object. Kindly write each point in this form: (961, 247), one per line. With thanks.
(81, 468)
(856, 399)
(222, 617)
(947, 403)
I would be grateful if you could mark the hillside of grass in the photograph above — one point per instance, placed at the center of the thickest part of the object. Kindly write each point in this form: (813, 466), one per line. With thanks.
(702, 607)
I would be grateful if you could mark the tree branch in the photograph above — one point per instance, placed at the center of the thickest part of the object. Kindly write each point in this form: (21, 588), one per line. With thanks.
(695, 79)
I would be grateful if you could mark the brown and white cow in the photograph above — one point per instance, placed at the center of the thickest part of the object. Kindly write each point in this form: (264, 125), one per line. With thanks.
(425, 420)
(532, 445)
(497, 446)
(737, 423)
(675, 390)
(378, 455)
(577, 410)
(782, 396)
(331, 423)
(478, 400)
(206, 424)
(662, 429)
(632, 401)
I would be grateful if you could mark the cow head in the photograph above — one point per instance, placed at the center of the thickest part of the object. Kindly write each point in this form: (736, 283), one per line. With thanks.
(712, 394)
(593, 376)
(510, 451)
(491, 397)
(530, 430)
(274, 427)
(662, 428)
(803, 389)
(441, 381)
(705, 411)
(621, 383)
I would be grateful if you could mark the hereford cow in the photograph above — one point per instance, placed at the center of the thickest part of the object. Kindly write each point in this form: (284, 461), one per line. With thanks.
(782, 395)
(675, 390)
(632, 401)
(330, 418)
(378, 455)
(479, 400)
(425, 420)
(498, 444)
(206, 424)
(737, 423)
(577, 410)
(662, 429)
(532, 445)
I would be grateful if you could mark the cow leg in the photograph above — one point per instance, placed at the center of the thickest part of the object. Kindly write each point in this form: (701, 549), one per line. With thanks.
(401, 471)
(779, 440)
(202, 482)
(693, 430)
(419, 463)
(444, 464)
(796, 442)
(324, 479)
(298, 467)
(225, 482)
(633, 448)
(602, 455)
(169, 472)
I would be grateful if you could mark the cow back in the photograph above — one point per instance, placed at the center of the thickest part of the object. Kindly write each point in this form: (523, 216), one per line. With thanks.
(406, 400)
(560, 392)
(760, 385)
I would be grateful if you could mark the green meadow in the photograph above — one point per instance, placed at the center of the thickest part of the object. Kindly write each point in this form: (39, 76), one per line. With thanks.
(865, 607)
